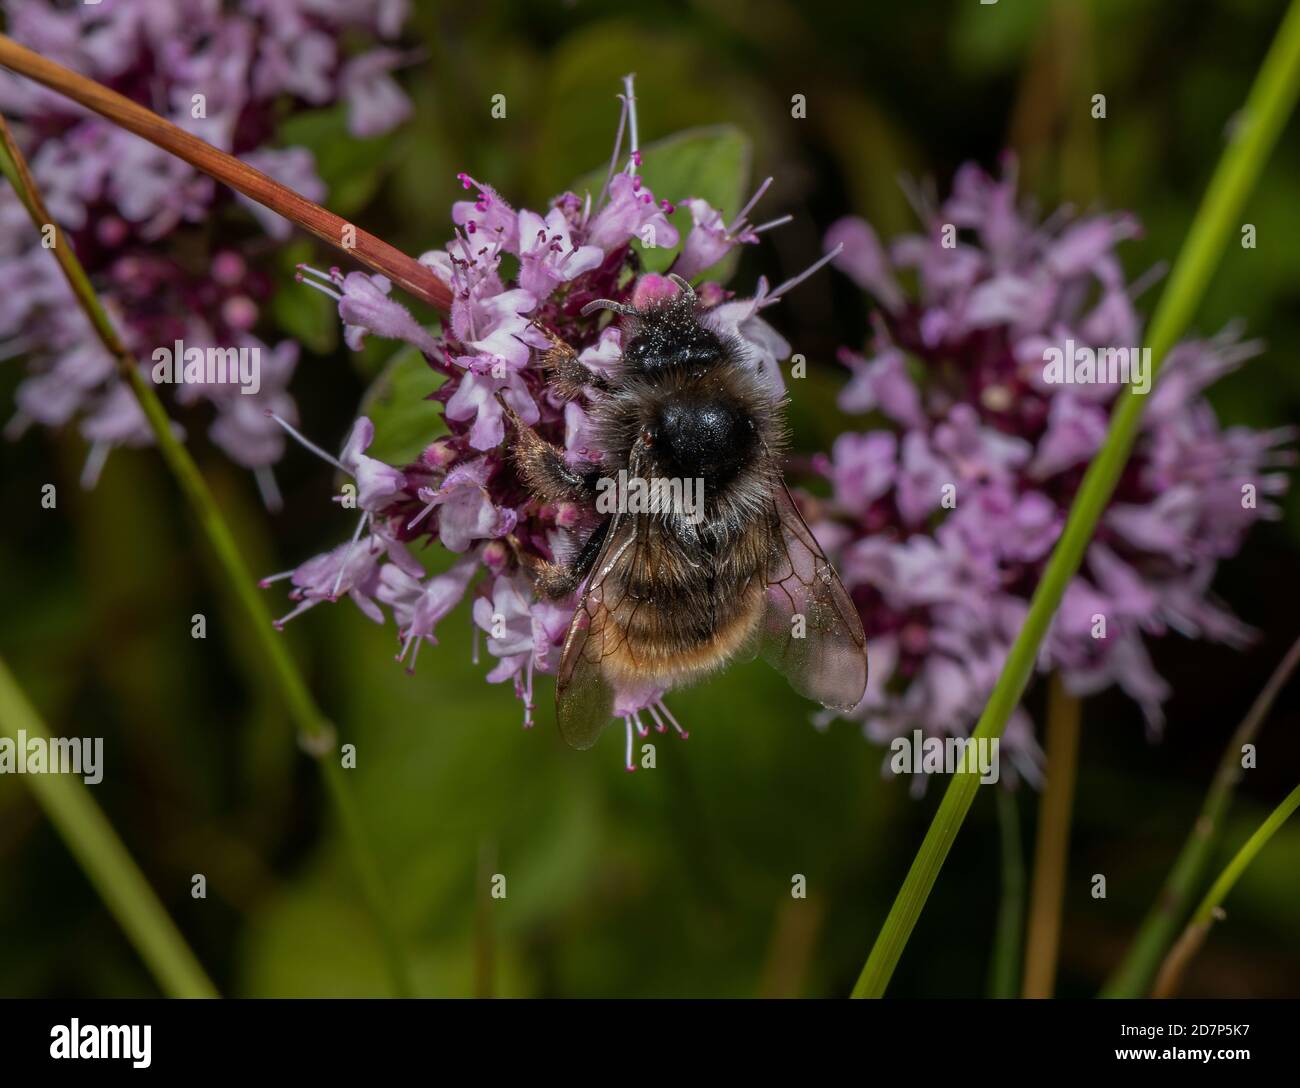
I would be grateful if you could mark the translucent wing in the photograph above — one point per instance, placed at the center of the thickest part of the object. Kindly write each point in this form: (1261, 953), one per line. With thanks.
(584, 699)
(811, 630)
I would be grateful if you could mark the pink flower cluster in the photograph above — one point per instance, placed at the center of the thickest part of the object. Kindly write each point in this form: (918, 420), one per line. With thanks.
(945, 507)
(463, 491)
(145, 223)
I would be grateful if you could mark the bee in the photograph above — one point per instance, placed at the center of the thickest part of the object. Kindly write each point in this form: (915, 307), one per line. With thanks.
(669, 594)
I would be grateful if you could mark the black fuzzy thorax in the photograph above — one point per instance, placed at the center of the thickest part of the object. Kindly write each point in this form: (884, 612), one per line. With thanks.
(687, 400)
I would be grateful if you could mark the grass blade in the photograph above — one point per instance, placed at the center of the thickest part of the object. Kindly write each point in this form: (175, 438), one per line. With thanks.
(81, 824)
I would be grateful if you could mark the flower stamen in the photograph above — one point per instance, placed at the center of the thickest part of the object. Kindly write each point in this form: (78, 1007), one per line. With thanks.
(307, 443)
(794, 281)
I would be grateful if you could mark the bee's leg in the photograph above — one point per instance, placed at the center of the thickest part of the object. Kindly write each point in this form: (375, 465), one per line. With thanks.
(546, 472)
(568, 377)
(556, 580)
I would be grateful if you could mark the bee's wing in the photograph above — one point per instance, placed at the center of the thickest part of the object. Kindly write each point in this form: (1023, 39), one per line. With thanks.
(584, 699)
(806, 598)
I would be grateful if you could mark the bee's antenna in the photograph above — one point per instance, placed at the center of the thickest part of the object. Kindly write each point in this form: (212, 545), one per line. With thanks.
(606, 304)
(687, 289)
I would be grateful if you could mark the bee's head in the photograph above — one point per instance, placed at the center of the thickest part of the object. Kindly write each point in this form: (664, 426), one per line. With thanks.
(665, 335)
(670, 338)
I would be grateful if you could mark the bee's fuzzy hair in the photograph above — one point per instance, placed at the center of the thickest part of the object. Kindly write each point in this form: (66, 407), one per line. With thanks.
(620, 417)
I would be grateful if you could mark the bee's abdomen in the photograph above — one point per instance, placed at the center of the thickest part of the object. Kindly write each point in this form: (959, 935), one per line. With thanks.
(678, 622)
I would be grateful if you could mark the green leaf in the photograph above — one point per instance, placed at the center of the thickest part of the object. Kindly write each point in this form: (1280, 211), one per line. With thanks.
(405, 421)
(351, 168)
(310, 317)
(710, 163)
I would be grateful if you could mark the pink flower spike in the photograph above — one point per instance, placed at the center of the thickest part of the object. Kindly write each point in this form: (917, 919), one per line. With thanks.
(365, 307)
(711, 238)
(376, 481)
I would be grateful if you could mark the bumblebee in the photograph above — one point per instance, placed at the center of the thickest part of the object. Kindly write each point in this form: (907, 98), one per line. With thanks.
(671, 595)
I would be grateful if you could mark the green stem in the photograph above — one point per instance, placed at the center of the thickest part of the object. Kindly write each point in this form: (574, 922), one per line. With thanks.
(1004, 974)
(1133, 977)
(1269, 104)
(367, 869)
(1210, 909)
(316, 734)
(1220, 888)
(81, 824)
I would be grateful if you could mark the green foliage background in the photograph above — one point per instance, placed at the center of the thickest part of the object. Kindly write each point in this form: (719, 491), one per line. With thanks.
(674, 881)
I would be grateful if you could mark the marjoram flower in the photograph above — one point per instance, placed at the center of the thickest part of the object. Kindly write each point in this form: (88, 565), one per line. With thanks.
(148, 227)
(946, 506)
